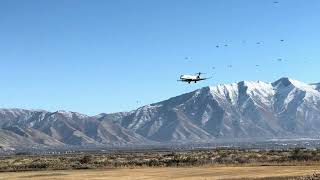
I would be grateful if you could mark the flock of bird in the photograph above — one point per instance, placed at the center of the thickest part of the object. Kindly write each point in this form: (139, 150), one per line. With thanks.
(222, 45)
(244, 42)
(227, 45)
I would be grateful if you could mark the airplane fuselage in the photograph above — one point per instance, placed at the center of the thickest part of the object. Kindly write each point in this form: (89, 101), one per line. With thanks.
(190, 78)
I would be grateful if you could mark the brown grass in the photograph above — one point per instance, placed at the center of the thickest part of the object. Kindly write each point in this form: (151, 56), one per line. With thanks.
(196, 173)
(218, 157)
(211, 164)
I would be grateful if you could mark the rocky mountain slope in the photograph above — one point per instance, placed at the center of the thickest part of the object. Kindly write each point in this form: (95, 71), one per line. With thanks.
(285, 108)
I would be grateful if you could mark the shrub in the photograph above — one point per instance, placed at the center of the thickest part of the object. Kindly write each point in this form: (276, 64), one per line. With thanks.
(38, 165)
(86, 159)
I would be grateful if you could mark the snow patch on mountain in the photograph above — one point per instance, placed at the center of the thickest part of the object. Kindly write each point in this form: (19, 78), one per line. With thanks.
(247, 109)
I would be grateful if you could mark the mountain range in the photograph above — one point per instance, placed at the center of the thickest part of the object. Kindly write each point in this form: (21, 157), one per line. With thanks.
(286, 108)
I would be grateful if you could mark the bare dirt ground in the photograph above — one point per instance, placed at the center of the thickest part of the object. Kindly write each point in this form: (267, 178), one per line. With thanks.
(194, 173)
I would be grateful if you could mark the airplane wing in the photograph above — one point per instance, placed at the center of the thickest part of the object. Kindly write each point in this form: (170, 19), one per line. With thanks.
(201, 79)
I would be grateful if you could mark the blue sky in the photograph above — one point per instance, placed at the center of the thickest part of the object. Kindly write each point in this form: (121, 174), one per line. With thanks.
(105, 55)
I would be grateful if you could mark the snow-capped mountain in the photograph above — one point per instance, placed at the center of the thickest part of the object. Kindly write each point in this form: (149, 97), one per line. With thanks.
(285, 108)
(246, 109)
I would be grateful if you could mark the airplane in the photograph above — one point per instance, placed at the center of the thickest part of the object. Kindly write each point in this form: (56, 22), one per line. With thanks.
(192, 78)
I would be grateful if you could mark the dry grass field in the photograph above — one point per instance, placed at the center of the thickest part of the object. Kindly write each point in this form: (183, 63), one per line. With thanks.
(197, 173)
(211, 164)
(220, 157)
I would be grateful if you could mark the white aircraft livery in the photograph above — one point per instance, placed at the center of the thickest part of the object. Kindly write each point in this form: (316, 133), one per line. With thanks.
(192, 78)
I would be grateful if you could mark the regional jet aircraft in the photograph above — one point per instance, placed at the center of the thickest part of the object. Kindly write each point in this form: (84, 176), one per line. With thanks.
(192, 78)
